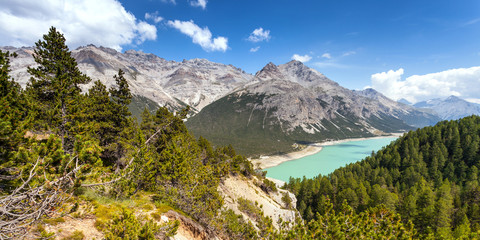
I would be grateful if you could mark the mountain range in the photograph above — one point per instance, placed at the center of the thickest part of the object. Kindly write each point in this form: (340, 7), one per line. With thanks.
(292, 103)
(265, 113)
(451, 108)
(195, 82)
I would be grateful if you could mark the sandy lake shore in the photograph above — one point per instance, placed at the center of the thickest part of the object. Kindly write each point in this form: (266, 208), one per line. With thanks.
(274, 160)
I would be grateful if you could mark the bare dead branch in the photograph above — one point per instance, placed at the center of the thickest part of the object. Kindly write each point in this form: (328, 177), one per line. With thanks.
(26, 204)
(147, 142)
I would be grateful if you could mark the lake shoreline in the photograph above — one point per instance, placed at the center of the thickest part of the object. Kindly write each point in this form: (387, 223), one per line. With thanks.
(274, 160)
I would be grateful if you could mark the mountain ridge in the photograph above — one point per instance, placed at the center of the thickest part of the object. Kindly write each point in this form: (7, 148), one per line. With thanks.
(450, 108)
(196, 82)
(292, 103)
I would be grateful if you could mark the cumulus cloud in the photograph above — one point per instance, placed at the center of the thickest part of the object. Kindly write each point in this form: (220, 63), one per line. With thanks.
(259, 35)
(461, 82)
(199, 3)
(304, 58)
(327, 55)
(22, 23)
(154, 17)
(200, 36)
(255, 49)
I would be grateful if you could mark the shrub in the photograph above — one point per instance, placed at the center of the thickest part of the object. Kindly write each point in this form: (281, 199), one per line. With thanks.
(268, 186)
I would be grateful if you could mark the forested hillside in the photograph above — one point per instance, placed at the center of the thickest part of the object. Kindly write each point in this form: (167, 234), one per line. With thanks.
(429, 176)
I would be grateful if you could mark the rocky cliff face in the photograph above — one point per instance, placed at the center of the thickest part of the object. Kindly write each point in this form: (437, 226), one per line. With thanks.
(195, 82)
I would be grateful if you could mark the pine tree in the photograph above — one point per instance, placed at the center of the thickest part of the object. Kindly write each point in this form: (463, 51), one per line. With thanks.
(54, 85)
(443, 209)
(121, 97)
(100, 119)
(12, 111)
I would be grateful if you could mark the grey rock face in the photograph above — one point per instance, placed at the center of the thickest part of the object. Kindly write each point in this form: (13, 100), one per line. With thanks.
(304, 97)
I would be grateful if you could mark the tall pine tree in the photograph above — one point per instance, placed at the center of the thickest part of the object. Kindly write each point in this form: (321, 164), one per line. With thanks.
(54, 85)
(121, 97)
(11, 111)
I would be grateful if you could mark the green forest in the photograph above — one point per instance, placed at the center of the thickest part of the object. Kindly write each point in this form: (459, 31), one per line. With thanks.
(62, 149)
(429, 177)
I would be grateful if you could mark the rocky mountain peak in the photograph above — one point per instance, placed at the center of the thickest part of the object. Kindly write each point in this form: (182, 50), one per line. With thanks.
(370, 93)
(453, 98)
(308, 77)
(270, 71)
(297, 65)
(404, 101)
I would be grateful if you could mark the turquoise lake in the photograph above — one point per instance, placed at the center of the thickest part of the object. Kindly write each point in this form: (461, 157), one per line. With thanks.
(327, 160)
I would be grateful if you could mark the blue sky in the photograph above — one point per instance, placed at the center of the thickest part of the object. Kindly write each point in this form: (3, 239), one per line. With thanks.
(411, 49)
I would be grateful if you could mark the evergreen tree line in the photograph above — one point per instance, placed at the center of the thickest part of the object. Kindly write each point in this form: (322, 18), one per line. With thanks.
(429, 177)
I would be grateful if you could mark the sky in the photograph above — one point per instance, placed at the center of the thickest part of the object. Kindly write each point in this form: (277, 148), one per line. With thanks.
(410, 49)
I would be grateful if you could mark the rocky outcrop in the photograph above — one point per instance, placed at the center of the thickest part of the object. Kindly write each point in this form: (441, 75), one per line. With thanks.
(236, 187)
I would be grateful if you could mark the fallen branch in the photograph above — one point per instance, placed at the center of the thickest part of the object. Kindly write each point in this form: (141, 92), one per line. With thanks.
(26, 204)
(129, 162)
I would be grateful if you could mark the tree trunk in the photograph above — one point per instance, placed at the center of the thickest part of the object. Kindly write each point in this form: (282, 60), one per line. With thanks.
(63, 125)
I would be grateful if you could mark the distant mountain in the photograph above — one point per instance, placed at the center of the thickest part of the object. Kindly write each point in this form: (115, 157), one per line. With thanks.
(410, 115)
(450, 108)
(292, 103)
(195, 82)
(404, 101)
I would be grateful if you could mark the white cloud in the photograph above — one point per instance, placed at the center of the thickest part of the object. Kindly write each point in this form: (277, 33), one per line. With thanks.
(259, 35)
(327, 55)
(22, 23)
(462, 82)
(255, 49)
(473, 21)
(199, 3)
(349, 53)
(473, 100)
(154, 17)
(304, 58)
(200, 36)
(329, 64)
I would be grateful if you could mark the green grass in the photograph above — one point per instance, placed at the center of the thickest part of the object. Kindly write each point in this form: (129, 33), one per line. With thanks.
(54, 221)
